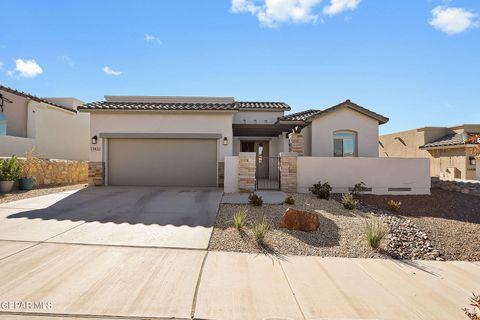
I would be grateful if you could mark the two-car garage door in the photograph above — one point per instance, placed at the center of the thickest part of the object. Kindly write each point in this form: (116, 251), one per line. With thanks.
(162, 162)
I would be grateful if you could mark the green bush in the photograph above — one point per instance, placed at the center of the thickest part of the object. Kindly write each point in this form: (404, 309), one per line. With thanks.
(255, 200)
(374, 232)
(240, 218)
(358, 189)
(260, 229)
(9, 169)
(322, 191)
(289, 200)
(349, 202)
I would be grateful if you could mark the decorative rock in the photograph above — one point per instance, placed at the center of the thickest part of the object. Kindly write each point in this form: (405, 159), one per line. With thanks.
(299, 220)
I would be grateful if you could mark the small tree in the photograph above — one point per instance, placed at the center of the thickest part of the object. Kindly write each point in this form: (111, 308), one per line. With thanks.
(474, 139)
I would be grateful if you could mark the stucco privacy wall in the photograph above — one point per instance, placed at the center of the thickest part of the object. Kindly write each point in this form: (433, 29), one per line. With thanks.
(11, 145)
(231, 174)
(60, 134)
(324, 126)
(161, 122)
(383, 175)
(58, 172)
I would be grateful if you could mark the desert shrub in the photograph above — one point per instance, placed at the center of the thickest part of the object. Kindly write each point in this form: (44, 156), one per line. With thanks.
(322, 191)
(9, 169)
(289, 200)
(349, 202)
(255, 200)
(394, 205)
(260, 229)
(240, 218)
(374, 232)
(475, 303)
(358, 189)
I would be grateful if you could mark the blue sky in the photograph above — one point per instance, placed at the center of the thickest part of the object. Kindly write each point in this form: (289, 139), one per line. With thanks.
(416, 62)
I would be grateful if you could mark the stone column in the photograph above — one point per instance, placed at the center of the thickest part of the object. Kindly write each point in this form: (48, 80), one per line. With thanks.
(288, 171)
(96, 173)
(477, 160)
(246, 171)
(296, 143)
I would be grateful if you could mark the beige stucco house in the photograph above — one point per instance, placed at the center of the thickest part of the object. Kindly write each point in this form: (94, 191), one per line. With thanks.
(205, 141)
(50, 126)
(450, 156)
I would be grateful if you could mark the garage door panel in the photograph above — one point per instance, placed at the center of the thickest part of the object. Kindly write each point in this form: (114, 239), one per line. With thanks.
(162, 162)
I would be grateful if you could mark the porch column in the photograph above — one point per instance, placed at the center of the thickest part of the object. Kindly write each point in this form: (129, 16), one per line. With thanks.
(288, 171)
(246, 171)
(477, 162)
(96, 173)
(296, 143)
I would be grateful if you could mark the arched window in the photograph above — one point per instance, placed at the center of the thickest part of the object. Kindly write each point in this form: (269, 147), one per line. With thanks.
(344, 143)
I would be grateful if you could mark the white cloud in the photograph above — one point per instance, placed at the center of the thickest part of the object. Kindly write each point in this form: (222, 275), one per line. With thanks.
(453, 20)
(67, 60)
(152, 39)
(26, 68)
(338, 6)
(110, 71)
(271, 13)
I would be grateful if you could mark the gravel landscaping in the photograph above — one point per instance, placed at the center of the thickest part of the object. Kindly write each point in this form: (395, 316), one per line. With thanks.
(24, 194)
(450, 219)
(341, 232)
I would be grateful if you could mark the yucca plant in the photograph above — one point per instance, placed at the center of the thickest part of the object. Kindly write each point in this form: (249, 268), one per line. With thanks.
(394, 205)
(260, 229)
(475, 303)
(374, 232)
(349, 202)
(240, 218)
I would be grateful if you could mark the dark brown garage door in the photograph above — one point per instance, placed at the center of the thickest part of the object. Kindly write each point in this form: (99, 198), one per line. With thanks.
(162, 162)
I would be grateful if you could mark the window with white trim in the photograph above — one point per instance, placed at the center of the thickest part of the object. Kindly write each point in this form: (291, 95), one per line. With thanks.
(344, 144)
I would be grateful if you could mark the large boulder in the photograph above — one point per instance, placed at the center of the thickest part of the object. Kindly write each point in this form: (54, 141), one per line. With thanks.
(299, 220)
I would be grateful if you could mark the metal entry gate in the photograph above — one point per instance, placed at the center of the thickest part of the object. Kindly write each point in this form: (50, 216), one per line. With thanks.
(267, 173)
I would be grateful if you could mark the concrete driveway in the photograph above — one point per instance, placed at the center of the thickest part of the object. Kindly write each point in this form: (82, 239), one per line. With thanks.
(127, 216)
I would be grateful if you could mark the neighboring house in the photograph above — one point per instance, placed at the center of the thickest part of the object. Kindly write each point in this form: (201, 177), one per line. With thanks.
(450, 156)
(206, 141)
(52, 126)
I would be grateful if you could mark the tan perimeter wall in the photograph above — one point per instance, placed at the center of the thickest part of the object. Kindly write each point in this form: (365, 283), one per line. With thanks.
(59, 172)
(383, 175)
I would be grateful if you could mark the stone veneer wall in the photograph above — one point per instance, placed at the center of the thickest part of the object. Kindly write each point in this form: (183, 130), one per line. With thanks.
(288, 171)
(96, 173)
(49, 172)
(221, 174)
(296, 143)
(458, 185)
(246, 171)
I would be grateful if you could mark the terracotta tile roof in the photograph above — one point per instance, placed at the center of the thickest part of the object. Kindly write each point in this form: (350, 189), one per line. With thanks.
(453, 139)
(156, 106)
(262, 105)
(308, 115)
(300, 116)
(34, 98)
(183, 106)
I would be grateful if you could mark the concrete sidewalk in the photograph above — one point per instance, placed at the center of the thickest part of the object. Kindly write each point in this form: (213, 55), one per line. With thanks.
(111, 281)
